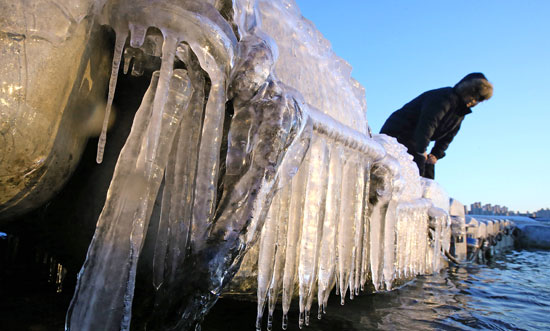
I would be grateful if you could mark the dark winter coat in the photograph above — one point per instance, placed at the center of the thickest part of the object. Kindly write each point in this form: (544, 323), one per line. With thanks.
(435, 115)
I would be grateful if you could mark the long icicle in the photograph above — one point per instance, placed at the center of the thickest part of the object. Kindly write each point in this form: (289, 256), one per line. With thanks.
(346, 225)
(327, 258)
(266, 258)
(175, 223)
(104, 293)
(389, 245)
(278, 269)
(163, 88)
(359, 228)
(314, 212)
(117, 56)
(365, 256)
(294, 233)
(163, 232)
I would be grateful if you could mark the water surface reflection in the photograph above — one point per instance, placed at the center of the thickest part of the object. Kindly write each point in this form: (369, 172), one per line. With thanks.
(510, 293)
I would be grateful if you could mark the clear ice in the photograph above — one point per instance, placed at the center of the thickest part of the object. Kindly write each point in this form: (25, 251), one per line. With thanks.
(263, 147)
(105, 288)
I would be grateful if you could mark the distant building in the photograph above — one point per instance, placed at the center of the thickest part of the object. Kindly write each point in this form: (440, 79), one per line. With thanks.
(543, 213)
(477, 208)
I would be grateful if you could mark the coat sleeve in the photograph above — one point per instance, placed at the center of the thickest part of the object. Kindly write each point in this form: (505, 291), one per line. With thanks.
(441, 144)
(433, 110)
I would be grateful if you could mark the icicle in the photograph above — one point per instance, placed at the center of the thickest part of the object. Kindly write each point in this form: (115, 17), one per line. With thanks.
(413, 235)
(375, 241)
(333, 280)
(429, 245)
(359, 228)
(389, 244)
(327, 258)
(414, 243)
(424, 220)
(104, 284)
(137, 35)
(377, 224)
(294, 234)
(438, 251)
(177, 200)
(166, 70)
(365, 255)
(312, 223)
(278, 269)
(399, 235)
(117, 56)
(163, 232)
(209, 151)
(412, 232)
(421, 219)
(266, 258)
(437, 219)
(403, 221)
(421, 236)
(346, 228)
(284, 323)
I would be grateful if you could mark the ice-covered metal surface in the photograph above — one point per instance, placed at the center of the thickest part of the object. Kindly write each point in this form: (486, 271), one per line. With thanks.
(43, 125)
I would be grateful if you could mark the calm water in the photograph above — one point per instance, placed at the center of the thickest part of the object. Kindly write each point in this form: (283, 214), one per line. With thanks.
(510, 293)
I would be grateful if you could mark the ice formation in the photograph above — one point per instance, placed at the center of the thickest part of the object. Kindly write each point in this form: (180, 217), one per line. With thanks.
(374, 232)
(237, 139)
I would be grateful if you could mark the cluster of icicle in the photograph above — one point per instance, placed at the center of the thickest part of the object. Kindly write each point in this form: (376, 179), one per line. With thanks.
(344, 222)
(210, 211)
(176, 136)
(336, 215)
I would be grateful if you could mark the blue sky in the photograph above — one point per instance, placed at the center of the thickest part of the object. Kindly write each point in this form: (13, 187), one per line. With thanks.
(399, 49)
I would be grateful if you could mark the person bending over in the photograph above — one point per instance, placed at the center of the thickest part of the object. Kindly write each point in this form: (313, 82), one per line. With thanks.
(436, 115)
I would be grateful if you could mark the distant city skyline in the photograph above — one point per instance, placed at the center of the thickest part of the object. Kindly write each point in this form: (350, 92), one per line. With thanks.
(478, 208)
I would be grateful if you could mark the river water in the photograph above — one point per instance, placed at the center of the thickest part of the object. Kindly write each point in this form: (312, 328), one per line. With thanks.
(512, 292)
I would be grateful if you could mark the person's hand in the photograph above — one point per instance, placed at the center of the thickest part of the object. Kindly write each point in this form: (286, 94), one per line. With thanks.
(431, 159)
(425, 156)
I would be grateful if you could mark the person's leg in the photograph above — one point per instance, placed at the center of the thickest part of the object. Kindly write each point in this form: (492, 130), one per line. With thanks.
(418, 158)
(425, 170)
(429, 171)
